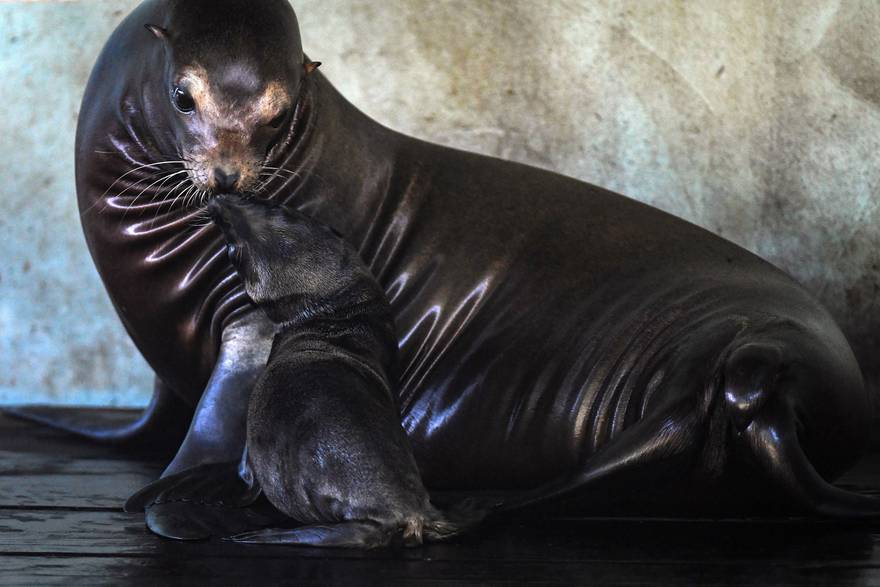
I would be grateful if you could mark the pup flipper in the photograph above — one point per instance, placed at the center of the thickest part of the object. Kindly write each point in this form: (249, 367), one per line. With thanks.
(356, 534)
(205, 501)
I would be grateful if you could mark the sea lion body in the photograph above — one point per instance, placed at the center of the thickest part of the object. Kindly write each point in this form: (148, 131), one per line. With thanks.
(324, 439)
(571, 314)
(542, 320)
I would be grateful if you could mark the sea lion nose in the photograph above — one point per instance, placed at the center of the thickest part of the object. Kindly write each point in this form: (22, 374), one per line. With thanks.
(225, 178)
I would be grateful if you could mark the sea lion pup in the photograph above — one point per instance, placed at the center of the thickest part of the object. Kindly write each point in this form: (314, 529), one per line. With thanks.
(324, 438)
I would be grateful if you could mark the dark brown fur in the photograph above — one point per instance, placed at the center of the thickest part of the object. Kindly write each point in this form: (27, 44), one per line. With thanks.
(324, 440)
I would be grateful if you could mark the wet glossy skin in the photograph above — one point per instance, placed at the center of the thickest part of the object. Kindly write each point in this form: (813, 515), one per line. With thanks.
(540, 318)
(168, 265)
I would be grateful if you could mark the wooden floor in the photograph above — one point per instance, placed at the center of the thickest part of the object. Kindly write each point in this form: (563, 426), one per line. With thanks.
(61, 523)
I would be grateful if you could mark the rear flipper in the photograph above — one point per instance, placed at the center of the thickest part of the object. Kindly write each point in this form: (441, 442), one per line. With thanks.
(772, 440)
(368, 534)
(752, 416)
(205, 501)
(162, 425)
(675, 435)
(757, 404)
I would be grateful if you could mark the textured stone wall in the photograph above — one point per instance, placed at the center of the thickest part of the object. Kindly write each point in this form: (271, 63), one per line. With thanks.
(759, 120)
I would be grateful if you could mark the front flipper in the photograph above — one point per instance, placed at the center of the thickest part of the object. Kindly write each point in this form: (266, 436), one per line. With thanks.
(209, 500)
(161, 425)
(361, 535)
(184, 504)
(217, 430)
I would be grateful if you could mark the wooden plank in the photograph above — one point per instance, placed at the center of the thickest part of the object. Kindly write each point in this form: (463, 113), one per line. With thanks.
(44, 468)
(331, 571)
(53, 480)
(98, 492)
(59, 523)
(97, 533)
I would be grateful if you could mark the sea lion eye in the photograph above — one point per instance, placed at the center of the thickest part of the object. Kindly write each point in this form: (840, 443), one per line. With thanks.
(278, 120)
(182, 100)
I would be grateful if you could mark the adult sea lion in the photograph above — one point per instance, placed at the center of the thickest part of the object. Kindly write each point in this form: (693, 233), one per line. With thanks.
(549, 329)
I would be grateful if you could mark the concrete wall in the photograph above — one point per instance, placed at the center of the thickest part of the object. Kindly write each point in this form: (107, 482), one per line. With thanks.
(759, 120)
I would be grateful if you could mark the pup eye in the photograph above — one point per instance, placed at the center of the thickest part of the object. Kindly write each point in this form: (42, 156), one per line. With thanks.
(182, 100)
(278, 120)
(232, 252)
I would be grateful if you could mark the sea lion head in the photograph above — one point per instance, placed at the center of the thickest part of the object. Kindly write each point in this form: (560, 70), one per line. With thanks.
(233, 73)
(289, 262)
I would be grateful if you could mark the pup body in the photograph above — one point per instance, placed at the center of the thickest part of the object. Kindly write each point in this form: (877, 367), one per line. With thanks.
(324, 438)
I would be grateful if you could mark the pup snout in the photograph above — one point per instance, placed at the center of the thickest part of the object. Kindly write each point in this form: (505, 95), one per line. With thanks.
(218, 210)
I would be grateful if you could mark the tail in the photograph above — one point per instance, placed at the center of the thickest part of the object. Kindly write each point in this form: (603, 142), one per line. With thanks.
(757, 379)
(161, 425)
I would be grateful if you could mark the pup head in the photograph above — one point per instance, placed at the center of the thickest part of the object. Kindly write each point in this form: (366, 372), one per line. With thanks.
(289, 263)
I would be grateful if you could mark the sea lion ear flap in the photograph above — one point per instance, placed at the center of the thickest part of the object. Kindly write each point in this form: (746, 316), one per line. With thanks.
(157, 31)
(311, 66)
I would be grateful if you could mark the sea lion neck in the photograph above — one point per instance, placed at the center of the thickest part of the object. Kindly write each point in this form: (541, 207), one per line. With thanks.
(339, 164)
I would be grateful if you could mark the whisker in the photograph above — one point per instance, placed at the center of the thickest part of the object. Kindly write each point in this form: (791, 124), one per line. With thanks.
(201, 218)
(159, 188)
(106, 201)
(184, 187)
(154, 177)
(271, 173)
(155, 165)
(138, 168)
(190, 197)
(174, 201)
(186, 195)
(133, 185)
(161, 181)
